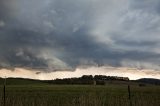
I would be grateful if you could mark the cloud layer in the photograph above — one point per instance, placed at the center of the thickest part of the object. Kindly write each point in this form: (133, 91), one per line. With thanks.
(56, 35)
(132, 73)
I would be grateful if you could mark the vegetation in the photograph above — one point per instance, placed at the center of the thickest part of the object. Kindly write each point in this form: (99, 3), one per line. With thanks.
(115, 93)
(80, 95)
(88, 80)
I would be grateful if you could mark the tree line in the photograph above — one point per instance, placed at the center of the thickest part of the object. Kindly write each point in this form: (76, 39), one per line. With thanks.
(89, 80)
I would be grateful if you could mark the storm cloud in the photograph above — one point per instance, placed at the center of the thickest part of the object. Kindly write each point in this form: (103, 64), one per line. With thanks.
(55, 35)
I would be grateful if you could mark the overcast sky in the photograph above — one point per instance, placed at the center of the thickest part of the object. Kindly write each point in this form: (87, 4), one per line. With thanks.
(62, 35)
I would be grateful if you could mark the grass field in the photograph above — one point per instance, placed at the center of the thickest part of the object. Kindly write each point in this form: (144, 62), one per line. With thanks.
(79, 95)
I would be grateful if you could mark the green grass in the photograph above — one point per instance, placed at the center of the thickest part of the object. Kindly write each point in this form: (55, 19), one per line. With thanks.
(80, 95)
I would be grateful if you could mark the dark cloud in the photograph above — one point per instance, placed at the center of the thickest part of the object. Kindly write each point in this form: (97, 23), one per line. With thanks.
(57, 35)
(147, 5)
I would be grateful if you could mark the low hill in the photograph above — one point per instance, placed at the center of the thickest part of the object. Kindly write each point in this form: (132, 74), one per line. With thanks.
(149, 81)
(88, 80)
(21, 81)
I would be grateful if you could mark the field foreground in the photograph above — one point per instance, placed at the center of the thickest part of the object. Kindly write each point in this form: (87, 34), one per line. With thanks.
(80, 95)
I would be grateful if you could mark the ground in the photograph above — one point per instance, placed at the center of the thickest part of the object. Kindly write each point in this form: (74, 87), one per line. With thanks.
(112, 94)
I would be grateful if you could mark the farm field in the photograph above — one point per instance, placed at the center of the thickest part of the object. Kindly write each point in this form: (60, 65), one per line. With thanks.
(80, 95)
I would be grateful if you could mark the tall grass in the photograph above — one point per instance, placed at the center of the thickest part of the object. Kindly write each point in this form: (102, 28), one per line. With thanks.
(79, 95)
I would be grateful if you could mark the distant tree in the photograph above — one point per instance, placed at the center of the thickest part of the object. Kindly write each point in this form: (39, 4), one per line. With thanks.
(87, 77)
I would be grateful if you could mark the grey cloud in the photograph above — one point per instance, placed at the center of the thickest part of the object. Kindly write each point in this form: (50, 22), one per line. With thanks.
(58, 35)
(147, 5)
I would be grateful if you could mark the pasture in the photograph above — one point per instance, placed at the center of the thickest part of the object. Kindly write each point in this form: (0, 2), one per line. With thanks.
(79, 95)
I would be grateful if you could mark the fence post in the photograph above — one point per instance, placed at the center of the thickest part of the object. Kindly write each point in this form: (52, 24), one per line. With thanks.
(4, 92)
(129, 95)
(129, 92)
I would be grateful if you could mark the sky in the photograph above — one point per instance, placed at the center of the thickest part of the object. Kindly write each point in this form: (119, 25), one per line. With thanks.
(46, 39)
